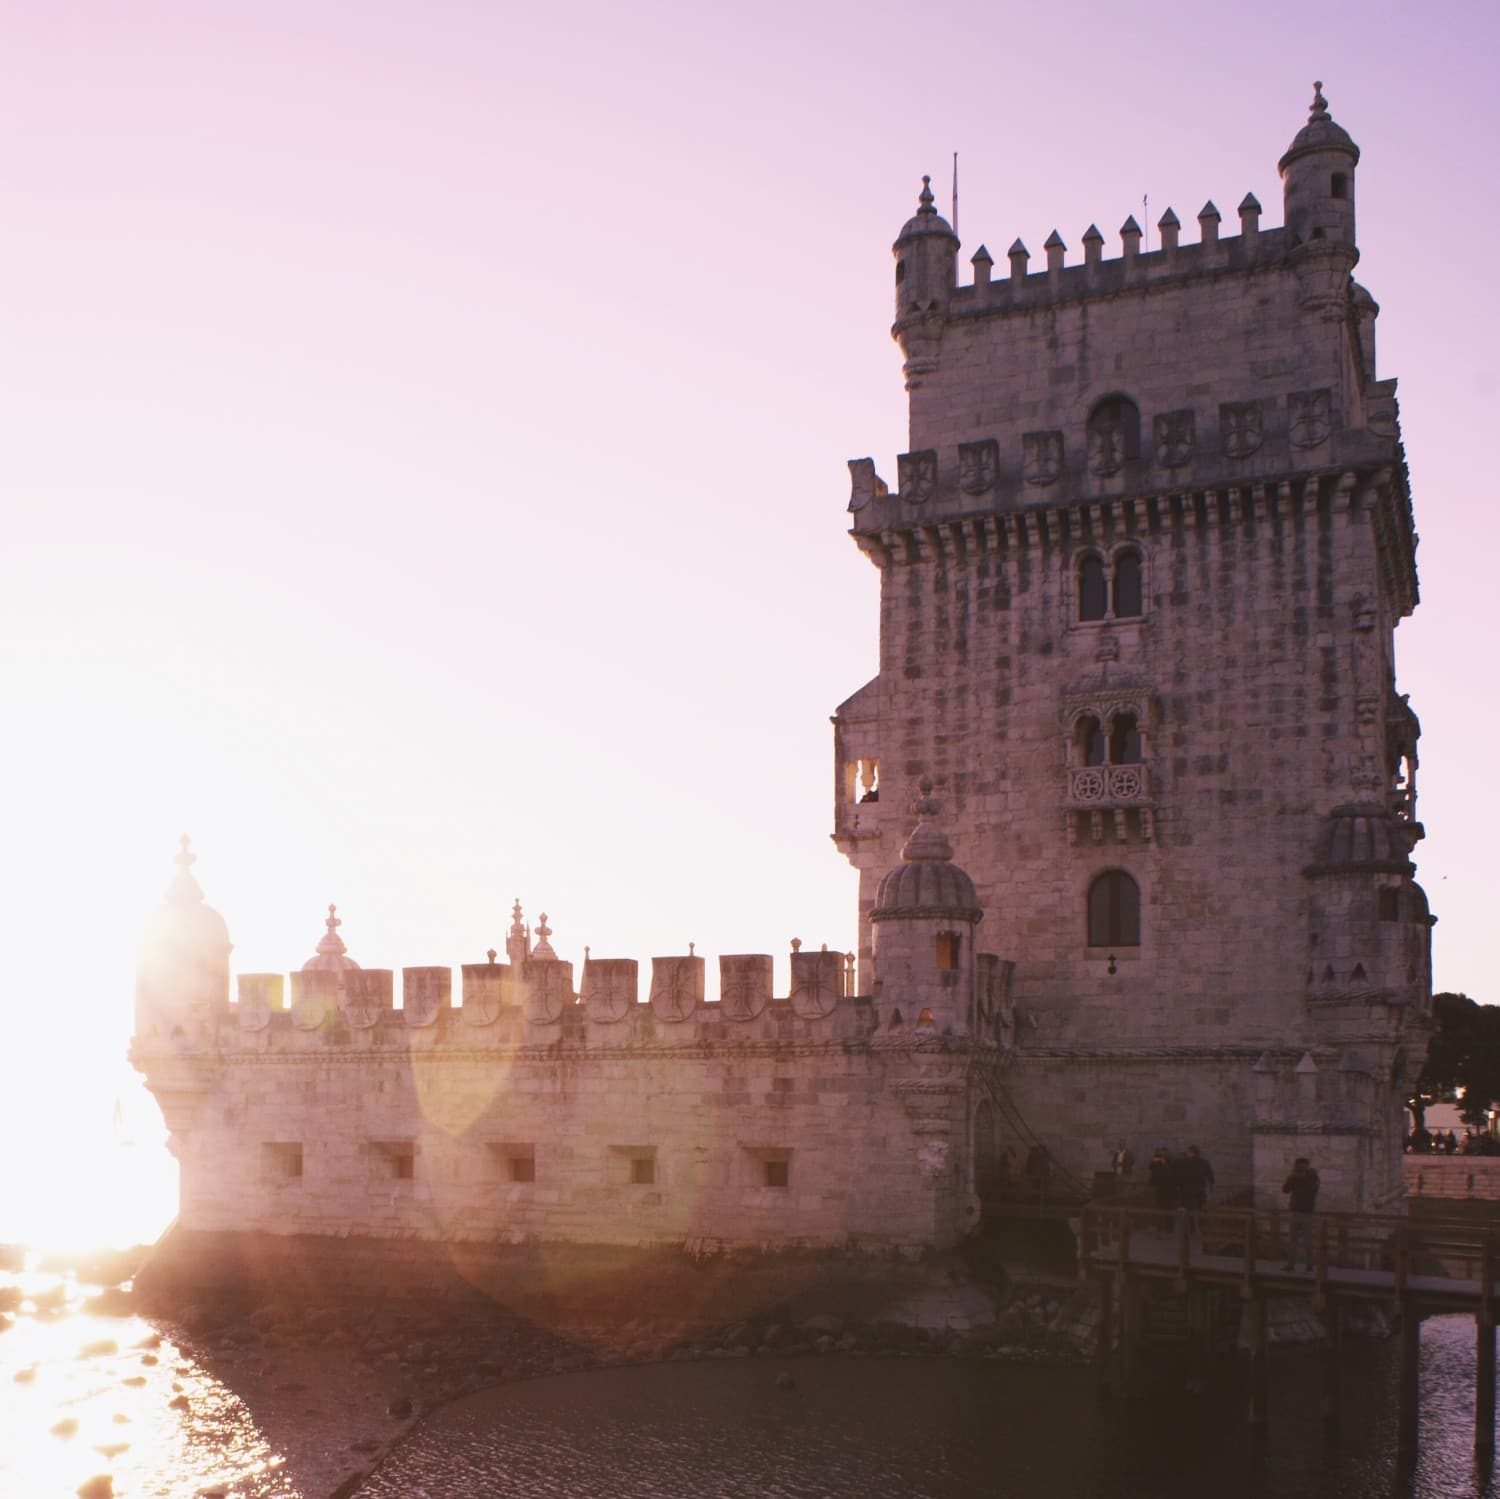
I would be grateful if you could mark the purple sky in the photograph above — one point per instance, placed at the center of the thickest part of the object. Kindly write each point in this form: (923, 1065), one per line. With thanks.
(424, 433)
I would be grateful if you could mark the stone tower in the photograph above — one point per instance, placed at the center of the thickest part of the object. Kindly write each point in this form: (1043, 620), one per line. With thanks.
(1140, 578)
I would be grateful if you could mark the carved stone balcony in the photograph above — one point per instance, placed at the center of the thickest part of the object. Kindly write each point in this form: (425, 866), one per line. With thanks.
(1107, 786)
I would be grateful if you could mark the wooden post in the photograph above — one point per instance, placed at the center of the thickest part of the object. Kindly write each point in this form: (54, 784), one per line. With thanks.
(1333, 1332)
(1484, 1353)
(1259, 1370)
(1408, 1383)
(1104, 1352)
(1130, 1334)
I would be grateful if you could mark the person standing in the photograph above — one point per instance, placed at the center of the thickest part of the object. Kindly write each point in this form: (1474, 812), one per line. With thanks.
(1197, 1178)
(1301, 1188)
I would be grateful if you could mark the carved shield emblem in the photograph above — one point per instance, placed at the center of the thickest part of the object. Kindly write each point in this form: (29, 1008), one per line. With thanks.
(609, 988)
(817, 982)
(1309, 414)
(315, 997)
(916, 476)
(367, 996)
(260, 993)
(1175, 438)
(485, 986)
(1240, 428)
(676, 987)
(978, 466)
(744, 985)
(425, 991)
(1106, 446)
(548, 984)
(864, 483)
(1041, 457)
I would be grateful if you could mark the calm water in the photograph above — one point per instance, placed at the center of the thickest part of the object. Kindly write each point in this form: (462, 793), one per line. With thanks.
(935, 1429)
(929, 1429)
(70, 1408)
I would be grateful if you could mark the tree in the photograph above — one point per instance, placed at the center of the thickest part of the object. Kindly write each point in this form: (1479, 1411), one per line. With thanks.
(1463, 1059)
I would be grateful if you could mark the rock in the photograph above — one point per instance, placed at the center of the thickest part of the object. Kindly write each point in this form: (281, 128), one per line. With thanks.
(149, 1359)
(350, 1484)
(67, 1427)
(153, 1341)
(134, 1382)
(214, 1491)
(99, 1348)
(26, 1375)
(100, 1486)
(11, 1298)
(179, 1403)
(111, 1450)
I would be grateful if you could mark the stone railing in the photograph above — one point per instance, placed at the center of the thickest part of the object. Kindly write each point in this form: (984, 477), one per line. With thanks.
(1107, 785)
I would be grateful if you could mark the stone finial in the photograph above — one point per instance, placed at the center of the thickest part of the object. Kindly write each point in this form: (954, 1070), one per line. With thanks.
(925, 199)
(184, 890)
(490, 956)
(796, 944)
(1055, 249)
(1208, 223)
(927, 840)
(982, 262)
(1319, 107)
(1249, 215)
(331, 942)
(542, 948)
(517, 926)
(1170, 225)
(1093, 245)
(1019, 255)
(1130, 238)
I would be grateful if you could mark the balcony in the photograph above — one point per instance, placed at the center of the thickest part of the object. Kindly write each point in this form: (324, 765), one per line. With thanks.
(1102, 786)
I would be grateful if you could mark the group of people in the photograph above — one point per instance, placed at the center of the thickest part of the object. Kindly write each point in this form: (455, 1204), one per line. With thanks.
(1445, 1142)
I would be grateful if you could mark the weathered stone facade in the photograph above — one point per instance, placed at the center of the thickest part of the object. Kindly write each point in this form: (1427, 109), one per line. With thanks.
(1139, 583)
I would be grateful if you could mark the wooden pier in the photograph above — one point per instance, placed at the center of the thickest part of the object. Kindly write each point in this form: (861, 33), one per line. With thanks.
(1416, 1267)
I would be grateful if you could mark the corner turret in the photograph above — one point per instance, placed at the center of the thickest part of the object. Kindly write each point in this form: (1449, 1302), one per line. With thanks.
(182, 971)
(926, 910)
(1317, 179)
(926, 254)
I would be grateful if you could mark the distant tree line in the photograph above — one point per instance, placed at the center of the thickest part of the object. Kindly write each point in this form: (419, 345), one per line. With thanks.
(1463, 1060)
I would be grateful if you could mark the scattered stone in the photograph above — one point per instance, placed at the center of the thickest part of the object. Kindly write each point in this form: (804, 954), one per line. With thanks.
(100, 1486)
(134, 1382)
(67, 1427)
(99, 1348)
(149, 1358)
(120, 1418)
(11, 1298)
(111, 1450)
(26, 1375)
(214, 1491)
(179, 1403)
(153, 1341)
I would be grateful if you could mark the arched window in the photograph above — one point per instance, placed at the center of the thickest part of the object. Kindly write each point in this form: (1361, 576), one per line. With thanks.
(1093, 591)
(1090, 741)
(1114, 910)
(1114, 435)
(1127, 585)
(1124, 740)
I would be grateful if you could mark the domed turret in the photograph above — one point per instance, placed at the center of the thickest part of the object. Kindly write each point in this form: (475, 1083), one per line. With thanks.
(926, 254)
(1317, 178)
(182, 972)
(332, 956)
(925, 913)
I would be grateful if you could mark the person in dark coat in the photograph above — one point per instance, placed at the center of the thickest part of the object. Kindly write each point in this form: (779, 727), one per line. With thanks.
(1163, 1180)
(1197, 1177)
(1301, 1189)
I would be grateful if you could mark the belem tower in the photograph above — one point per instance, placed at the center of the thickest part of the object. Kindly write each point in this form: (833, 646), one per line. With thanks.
(1132, 800)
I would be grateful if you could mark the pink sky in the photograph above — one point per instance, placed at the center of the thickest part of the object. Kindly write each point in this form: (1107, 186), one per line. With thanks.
(424, 433)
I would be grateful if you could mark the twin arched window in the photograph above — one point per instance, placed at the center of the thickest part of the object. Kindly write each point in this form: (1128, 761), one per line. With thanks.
(1121, 745)
(1110, 591)
(1114, 910)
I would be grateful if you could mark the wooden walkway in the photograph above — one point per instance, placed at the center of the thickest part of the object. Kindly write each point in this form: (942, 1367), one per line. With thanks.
(1418, 1268)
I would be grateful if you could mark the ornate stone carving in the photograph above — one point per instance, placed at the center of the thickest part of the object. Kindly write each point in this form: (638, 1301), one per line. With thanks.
(1175, 435)
(548, 986)
(816, 983)
(916, 476)
(260, 993)
(366, 997)
(1106, 446)
(425, 991)
(676, 987)
(1041, 457)
(744, 985)
(315, 996)
(978, 466)
(1240, 428)
(610, 986)
(485, 986)
(1309, 417)
(864, 483)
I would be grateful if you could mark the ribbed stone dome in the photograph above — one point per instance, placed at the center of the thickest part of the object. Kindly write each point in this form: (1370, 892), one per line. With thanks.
(926, 220)
(926, 882)
(1321, 133)
(184, 919)
(332, 956)
(1363, 836)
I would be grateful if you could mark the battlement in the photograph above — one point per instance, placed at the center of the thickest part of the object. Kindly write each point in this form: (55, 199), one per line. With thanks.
(1133, 269)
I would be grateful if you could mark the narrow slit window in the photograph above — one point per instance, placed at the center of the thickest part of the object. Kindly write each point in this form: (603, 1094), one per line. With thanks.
(1093, 599)
(947, 951)
(1127, 585)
